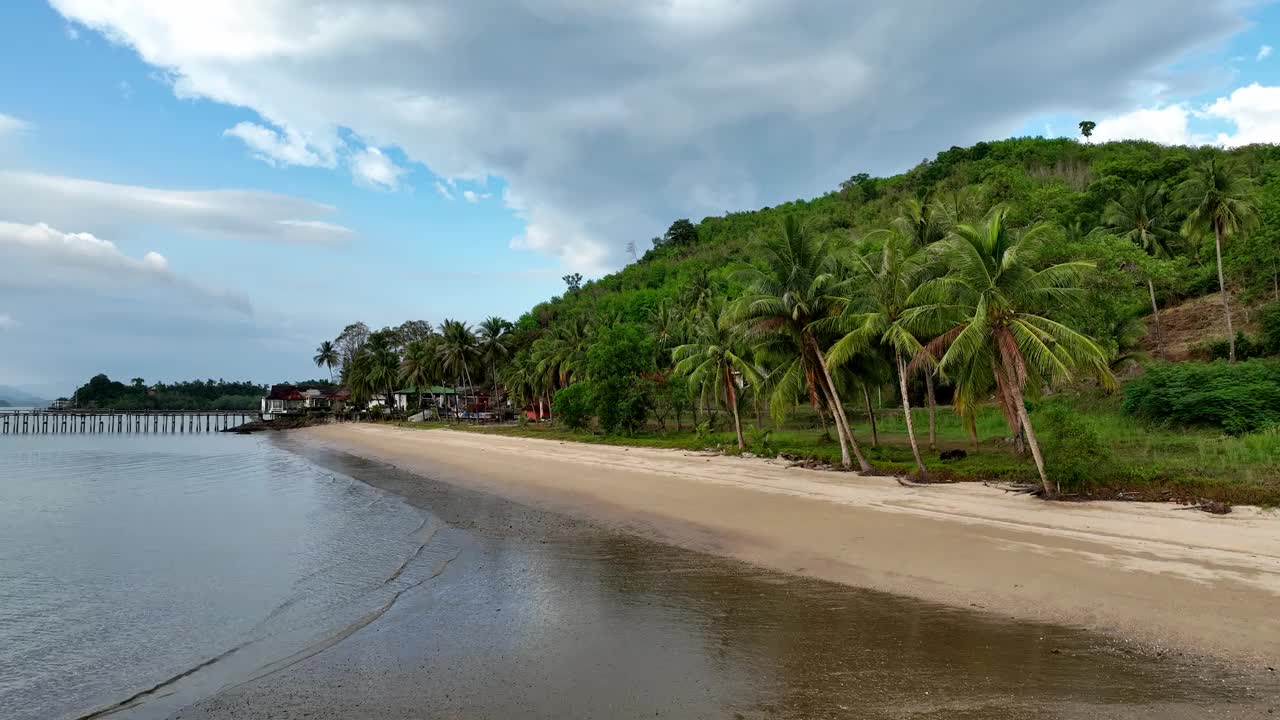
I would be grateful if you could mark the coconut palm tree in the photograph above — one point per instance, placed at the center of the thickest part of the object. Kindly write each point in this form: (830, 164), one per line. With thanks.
(1138, 215)
(327, 356)
(420, 368)
(714, 359)
(457, 350)
(796, 288)
(1219, 199)
(374, 371)
(884, 281)
(494, 337)
(1000, 313)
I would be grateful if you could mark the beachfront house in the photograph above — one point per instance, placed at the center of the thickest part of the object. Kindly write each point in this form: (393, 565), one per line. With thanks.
(285, 399)
(449, 401)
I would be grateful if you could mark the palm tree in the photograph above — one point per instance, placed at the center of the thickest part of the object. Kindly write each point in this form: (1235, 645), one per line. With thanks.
(373, 371)
(796, 289)
(885, 280)
(1086, 128)
(999, 313)
(494, 339)
(420, 367)
(1139, 216)
(327, 356)
(714, 360)
(1219, 199)
(457, 350)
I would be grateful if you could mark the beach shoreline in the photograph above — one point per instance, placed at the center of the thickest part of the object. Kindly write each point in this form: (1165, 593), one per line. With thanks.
(1144, 573)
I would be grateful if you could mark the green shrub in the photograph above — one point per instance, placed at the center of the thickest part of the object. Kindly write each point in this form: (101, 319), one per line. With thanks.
(1269, 319)
(1074, 451)
(759, 440)
(1236, 398)
(572, 406)
(1246, 347)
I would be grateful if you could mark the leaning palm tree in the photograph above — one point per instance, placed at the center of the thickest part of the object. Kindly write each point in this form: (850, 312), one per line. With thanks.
(1219, 199)
(419, 368)
(1000, 318)
(1138, 215)
(457, 350)
(714, 360)
(326, 356)
(494, 338)
(884, 281)
(796, 288)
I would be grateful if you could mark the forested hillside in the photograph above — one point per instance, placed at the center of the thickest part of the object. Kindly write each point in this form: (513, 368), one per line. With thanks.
(989, 280)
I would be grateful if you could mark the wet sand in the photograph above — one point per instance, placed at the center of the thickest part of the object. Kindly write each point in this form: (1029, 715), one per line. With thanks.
(540, 615)
(1161, 578)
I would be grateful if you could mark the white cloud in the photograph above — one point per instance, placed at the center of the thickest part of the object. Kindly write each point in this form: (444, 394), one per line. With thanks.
(1264, 52)
(444, 191)
(109, 208)
(273, 148)
(1253, 111)
(373, 167)
(474, 197)
(1167, 125)
(10, 124)
(608, 120)
(51, 258)
(7, 322)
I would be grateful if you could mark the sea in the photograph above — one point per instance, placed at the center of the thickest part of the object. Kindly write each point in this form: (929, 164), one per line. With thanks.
(221, 575)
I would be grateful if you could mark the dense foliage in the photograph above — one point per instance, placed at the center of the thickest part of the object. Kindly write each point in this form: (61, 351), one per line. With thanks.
(1237, 398)
(101, 392)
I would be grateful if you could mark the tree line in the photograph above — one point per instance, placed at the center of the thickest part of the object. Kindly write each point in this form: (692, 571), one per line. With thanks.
(991, 275)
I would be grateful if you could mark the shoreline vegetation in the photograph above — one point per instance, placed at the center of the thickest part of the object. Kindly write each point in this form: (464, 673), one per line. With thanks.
(1136, 571)
(1086, 320)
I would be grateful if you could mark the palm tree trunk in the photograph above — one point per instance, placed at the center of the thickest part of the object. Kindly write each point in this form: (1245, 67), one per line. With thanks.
(906, 415)
(971, 422)
(1222, 284)
(1155, 315)
(933, 409)
(848, 441)
(1049, 489)
(732, 397)
(871, 416)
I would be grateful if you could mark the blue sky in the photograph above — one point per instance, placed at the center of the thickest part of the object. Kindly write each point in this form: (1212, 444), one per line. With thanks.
(397, 161)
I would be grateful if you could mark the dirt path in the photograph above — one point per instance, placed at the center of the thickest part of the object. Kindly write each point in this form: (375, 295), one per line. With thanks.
(1163, 577)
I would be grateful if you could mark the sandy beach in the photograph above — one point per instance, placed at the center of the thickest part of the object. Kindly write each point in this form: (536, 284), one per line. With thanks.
(1163, 578)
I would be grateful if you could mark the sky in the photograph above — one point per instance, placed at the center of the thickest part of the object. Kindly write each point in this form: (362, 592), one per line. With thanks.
(211, 189)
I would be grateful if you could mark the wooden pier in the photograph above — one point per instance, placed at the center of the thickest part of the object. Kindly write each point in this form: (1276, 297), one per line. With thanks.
(87, 422)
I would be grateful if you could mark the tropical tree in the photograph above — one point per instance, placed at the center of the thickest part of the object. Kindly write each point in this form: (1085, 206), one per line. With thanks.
(1000, 315)
(796, 288)
(884, 281)
(420, 368)
(1086, 128)
(1219, 200)
(374, 371)
(327, 356)
(494, 343)
(714, 360)
(1138, 215)
(138, 383)
(457, 350)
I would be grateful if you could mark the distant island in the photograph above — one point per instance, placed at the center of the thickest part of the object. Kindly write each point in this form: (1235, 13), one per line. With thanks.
(101, 392)
(13, 397)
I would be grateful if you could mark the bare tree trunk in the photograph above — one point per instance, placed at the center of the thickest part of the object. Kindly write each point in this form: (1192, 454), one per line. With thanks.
(822, 417)
(732, 397)
(871, 416)
(844, 442)
(1155, 315)
(837, 411)
(971, 421)
(1049, 489)
(1222, 284)
(906, 415)
(933, 408)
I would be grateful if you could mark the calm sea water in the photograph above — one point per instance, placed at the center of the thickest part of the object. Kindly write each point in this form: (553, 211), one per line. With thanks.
(126, 561)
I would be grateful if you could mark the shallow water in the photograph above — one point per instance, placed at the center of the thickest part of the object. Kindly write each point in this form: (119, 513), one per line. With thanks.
(127, 561)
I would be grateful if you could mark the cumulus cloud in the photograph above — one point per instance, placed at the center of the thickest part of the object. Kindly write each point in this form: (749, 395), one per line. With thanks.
(474, 197)
(373, 167)
(9, 124)
(608, 120)
(273, 148)
(1253, 111)
(47, 257)
(108, 208)
(1264, 52)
